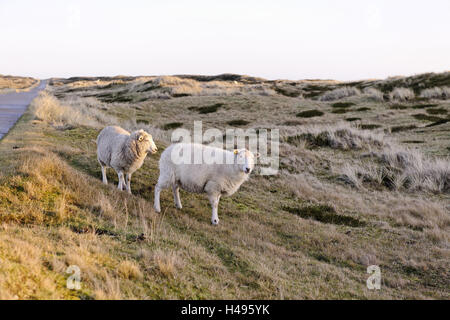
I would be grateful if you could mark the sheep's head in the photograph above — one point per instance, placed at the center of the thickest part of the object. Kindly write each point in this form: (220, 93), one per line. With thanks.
(144, 141)
(245, 160)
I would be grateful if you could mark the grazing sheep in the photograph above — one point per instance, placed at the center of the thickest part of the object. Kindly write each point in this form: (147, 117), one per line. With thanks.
(212, 177)
(124, 152)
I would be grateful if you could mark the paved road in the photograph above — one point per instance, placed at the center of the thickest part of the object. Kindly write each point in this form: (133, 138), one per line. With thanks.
(13, 105)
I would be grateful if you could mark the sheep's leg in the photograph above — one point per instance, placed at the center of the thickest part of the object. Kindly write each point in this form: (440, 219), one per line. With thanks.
(156, 204)
(105, 180)
(213, 191)
(124, 185)
(121, 181)
(128, 185)
(214, 201)
(164, 181)
(176, 196)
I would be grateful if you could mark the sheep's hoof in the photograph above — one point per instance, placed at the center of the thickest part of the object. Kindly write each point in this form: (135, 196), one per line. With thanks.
(179, 206)
(158, 210)
(215, 222)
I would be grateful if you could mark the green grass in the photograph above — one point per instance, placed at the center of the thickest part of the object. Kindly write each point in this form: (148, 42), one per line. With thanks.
(417, 83)
(403, 128)
(352, 119)
(118, 96)
(340, 111)
(310, 114)
(207, 109)
(288, 91)
(238, 122)
(438, 122)
(423, 106)
(320, 140)
(292, 123)
(425, 117)
(342, 104)
(313, 91)
(437, 111)
(398, 107)
(325, 214)
(172, 125)
(369, 126)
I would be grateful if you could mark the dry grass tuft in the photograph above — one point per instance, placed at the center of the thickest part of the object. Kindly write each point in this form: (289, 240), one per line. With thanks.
(412, 170)
(342, 136)
(129, 270)
(373, 94)
(436, 93)
(166, 262)
(402, 94)
(401, 169)
(50, 110)
(340, 93)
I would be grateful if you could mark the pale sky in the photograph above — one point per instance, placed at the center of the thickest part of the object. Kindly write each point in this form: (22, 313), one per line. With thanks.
(343, 40)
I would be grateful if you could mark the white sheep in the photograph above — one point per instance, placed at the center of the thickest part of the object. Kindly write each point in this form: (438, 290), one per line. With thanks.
(178, 169)
(124, 152)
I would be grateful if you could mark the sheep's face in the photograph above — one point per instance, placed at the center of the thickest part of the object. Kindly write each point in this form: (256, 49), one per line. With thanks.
(245, 160)
(145, 141)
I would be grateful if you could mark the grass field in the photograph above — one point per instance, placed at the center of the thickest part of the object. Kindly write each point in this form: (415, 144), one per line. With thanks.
(364, 180)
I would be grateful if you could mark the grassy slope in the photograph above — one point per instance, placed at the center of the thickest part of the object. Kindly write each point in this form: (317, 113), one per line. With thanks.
(8, 83)
(55, 212)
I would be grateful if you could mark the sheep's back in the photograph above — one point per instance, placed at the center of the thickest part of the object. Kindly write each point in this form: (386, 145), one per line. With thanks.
(109, 140)
(194, 177)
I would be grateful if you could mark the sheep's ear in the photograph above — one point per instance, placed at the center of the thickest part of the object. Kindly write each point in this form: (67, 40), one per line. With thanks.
(236, 151)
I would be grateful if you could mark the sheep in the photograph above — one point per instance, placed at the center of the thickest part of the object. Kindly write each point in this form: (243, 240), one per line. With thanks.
(124, 152)
(216, 178)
